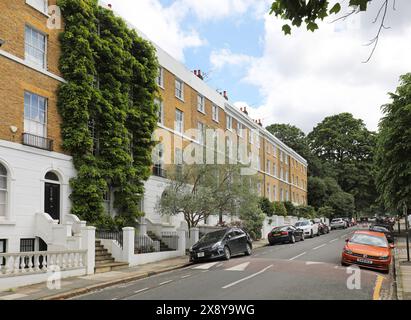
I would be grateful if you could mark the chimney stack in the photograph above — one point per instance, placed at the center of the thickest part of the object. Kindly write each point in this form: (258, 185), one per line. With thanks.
(260, 123)
(195, 72)
(225, 95)
(245, 111)
(109, 5)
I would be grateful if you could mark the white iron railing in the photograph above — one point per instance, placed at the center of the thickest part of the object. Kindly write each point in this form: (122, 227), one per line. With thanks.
(41, 261)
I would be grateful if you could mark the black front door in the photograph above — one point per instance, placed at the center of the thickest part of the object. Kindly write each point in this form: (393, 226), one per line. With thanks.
(52, 200)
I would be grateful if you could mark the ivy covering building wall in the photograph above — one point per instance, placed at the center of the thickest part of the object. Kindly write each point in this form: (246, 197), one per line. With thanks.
(107, 109)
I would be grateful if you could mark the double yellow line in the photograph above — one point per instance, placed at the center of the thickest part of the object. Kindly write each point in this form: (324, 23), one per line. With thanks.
(377, 289)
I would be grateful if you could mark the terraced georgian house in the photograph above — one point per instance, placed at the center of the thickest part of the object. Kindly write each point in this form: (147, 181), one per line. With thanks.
(35, 171)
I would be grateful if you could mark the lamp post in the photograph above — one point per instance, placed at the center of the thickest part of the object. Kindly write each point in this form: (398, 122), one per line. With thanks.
(406, 231)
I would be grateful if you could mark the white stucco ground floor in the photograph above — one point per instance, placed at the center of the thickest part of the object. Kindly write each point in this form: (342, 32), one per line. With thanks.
(32, 181)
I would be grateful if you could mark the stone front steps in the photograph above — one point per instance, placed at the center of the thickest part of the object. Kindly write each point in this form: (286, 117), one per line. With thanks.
(105, 262)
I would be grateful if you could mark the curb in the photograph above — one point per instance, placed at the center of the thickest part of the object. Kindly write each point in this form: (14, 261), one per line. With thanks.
(81, 291)
(398, 280)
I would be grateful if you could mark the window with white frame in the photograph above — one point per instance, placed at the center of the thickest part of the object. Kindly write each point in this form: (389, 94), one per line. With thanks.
(40, 5)
(179, 123)
(281, 155)
(297, 182)
(275, 193)
(275, 169)
(215, 112)
(282, 173)
(240, 129)
(35, 114)
(229, 120)
(274, 151)
(286, 176)
(160, 110)
(258, 163)
(201, 132)
(179, 89)
(200, 103)
(286, 195)
(178, 156)
(160, 77)
(250, 136)
(268, 191)
(268, 169)
(286, 158)
(229, 147)
(35, 47)
(281, 194)
(3, 191)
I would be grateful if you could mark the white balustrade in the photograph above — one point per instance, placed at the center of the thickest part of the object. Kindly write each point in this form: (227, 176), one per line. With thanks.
(41, 261)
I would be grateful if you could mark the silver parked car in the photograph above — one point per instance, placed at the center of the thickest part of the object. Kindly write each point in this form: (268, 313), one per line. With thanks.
(338, 223)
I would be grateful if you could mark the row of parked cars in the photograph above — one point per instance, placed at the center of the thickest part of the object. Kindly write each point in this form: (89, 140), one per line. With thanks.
(298, 232)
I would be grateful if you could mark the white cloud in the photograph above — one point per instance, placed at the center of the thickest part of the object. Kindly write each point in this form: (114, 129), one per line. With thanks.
(223, 57)
(163, 25)
(307, 76)
(166, 25)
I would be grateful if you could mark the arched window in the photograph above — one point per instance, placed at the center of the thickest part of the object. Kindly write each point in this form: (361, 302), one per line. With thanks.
(3, 191)
(51, 176)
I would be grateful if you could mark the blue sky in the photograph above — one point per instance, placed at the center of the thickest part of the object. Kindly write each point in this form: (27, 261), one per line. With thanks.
(298, 79)
(239, 37)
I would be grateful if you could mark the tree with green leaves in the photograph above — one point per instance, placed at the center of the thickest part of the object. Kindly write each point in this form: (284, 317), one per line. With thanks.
(342, 203)
(279, 209)
(107, 110)
(202, 190)
(393, 160)
(345, 144)
(266, 206)
(298, 12)
(296, 139)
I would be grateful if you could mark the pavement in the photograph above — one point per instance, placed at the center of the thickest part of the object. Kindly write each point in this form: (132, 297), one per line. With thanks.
(403, 270)
(306, 270)
(75, 286)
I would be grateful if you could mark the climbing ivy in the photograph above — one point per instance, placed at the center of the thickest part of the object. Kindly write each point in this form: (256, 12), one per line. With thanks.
(108, 100)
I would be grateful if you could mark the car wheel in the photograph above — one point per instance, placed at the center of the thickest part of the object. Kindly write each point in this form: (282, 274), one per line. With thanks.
(302, 237)
(292, 239)
(248, 250)
(227, 253)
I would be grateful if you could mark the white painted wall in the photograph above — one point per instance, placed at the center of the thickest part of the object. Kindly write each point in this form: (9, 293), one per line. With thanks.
(27, 167)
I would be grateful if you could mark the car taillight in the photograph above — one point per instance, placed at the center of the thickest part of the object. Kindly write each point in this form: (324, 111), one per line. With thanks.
(284, 233)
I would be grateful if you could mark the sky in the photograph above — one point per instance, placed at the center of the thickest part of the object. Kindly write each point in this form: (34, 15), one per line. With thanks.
(297, 79)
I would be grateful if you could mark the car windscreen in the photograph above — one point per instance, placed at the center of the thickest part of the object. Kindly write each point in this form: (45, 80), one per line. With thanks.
(277, 229)
(213, 236)
(336, 220)
(380, 229)
(361, 238)
(301, 223)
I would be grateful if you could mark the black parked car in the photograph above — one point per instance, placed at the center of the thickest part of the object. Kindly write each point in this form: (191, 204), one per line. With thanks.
(323, 228)
(386, 231)
(284, 234)
(223, 243)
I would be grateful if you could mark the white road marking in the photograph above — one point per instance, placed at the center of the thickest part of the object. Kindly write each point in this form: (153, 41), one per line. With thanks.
(13, 296)
(206, 266)
(334, 240)
(316, 248)
(313, 262)
(246, 278)
(165, 282)
(138, 291)
(186, 276)
(297, 256)
(114, 299)
(240, 267)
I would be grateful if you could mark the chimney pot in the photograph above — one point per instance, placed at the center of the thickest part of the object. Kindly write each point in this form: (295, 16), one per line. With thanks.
(109, 5)
(195, 72)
